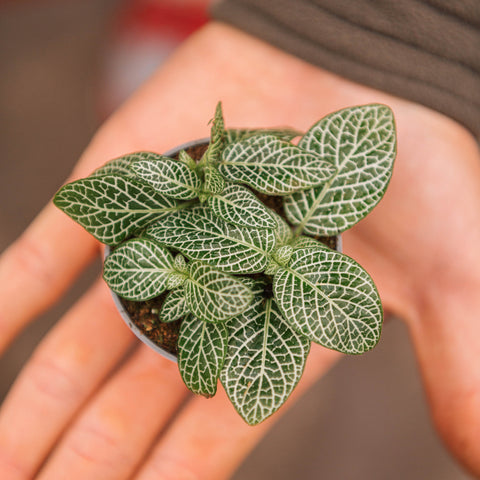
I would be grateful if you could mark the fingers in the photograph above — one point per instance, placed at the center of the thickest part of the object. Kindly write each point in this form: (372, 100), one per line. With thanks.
(38, 267)
(112, 435)
(63, 372)
(209, 439)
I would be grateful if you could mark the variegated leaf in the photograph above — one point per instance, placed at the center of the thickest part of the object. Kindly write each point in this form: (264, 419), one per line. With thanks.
(329, 298)
(283, 231)
(218, 124)
(201, 352)
(200, 235)
(238, 205)
(214, 182)
(256, 285)
(169, 177)
(237, 134)
(174, 306)
(265, 360)
(138, 269)
(186, 159)
(217, 136)
(112, 207)
(215, 296)
(360, 142)
(272, 166)
(121, 165)
(305, 242)
(279, 258)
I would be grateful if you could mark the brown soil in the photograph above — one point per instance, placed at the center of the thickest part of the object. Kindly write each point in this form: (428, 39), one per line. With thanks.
(145, 314)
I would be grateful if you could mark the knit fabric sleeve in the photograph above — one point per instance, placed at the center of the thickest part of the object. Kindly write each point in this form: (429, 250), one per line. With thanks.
(427, 51)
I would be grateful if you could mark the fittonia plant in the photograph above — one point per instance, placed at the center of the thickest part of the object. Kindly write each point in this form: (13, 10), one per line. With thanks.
(253, 290)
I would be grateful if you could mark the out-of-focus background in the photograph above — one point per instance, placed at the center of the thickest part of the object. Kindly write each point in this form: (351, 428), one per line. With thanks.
(367, 419)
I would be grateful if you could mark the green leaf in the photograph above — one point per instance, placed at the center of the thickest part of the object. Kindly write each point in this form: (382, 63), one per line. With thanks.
(170, 177)
(329, 298)
(305, 242)
(256, 285)
(279, 258)
(218, 125)
(238, 205)
(237, 134)
(283, 231)
(214, 182)
(360, 142)
(215, 296)
(200, 235)
(217, 137)
(265, 360)
(138, 269)
(180, 264)
(186, 159)
(112, 207)
(121, 165)
(174, 306)
(201, 353)
(272, 166)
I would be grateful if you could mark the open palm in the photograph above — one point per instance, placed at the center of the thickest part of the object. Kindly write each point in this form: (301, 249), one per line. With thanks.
(420, 245)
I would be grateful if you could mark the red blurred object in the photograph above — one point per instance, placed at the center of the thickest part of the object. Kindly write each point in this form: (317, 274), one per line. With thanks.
(176, 18)
(144, 33)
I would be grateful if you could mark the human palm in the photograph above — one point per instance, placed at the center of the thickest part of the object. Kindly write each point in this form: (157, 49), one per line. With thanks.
(419, 244)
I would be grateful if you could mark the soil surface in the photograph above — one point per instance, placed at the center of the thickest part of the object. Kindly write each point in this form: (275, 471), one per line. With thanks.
(145, 314)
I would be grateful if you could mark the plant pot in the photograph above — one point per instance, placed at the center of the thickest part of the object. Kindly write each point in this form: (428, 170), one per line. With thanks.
(168, 331)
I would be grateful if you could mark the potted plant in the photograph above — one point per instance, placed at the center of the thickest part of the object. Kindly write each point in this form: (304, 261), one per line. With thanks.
(223, 253)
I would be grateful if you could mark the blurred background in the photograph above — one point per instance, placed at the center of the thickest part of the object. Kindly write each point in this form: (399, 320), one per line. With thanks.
(64, 66)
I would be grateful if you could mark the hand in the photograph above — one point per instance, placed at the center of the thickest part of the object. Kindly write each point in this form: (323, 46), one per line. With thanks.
(70, 409)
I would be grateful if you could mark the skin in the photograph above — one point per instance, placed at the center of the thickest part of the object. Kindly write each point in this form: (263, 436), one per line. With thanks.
(69, 411)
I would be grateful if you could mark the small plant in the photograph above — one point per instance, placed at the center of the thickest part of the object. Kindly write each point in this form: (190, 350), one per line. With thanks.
(252, 285)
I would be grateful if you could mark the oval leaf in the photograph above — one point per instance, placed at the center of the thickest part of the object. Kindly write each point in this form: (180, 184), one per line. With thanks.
(138, 269)
(214, 182)
(283, 231)
(200, 235)
(240, 206)
(121, 165)
(174, 306)
(217, 136)
(272, 166)
(170, 177)
(328, 297)
(215, 296)
(237, 134)
(201, 353)
(265, 360)
(361, 143)
(112, 207)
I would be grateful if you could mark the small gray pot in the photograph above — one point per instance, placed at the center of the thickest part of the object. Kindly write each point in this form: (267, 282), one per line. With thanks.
(123, 312)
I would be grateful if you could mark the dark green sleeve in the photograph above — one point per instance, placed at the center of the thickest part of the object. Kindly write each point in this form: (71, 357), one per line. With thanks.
(426, 51)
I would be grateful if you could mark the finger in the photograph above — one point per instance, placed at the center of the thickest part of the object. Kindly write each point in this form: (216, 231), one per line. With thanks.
(62, 373)
(38, 267)
(447, 345)
(208, 439)
(112, 435)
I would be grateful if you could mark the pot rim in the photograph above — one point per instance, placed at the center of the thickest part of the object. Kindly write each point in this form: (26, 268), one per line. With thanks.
(116, 299)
